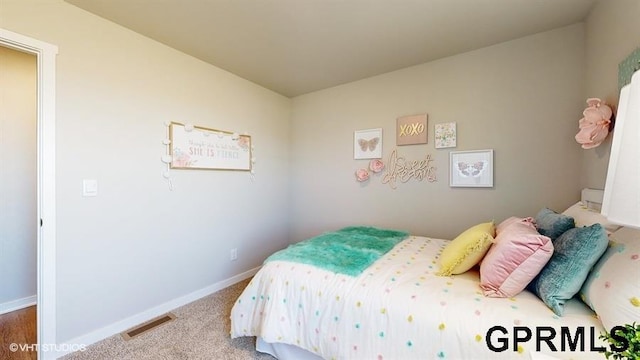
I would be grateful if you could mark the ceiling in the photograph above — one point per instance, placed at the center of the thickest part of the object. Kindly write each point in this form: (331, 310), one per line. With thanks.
(294, 47)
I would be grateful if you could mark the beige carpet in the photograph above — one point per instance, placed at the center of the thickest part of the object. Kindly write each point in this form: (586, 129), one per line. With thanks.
(200, 331)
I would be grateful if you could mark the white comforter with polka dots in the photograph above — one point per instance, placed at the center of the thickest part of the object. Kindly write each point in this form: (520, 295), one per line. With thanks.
(399, 309)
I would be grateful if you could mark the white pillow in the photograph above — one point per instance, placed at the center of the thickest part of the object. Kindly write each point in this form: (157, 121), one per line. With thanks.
(584, 216)
(612, 288)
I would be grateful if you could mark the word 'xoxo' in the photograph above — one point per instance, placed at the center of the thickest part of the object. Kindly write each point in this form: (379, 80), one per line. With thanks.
(411, 129)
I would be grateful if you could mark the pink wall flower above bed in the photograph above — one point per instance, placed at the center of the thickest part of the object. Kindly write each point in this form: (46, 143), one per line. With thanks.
(594, 126)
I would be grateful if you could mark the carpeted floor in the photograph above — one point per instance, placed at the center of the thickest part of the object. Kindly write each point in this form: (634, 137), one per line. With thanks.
(200, 331)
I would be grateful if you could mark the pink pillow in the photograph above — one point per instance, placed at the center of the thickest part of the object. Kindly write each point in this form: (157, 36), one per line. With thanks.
(518, 255)
(504, 224)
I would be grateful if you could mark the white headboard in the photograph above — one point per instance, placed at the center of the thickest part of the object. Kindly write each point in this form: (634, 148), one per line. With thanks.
(592, 198)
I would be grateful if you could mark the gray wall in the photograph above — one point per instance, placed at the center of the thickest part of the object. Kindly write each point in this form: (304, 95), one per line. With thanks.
(521, 98)
(18, 215)
(612, 33)
(138, 245)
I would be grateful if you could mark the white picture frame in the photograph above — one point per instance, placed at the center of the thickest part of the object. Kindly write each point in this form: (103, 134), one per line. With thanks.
(367, 144)
(473, 168)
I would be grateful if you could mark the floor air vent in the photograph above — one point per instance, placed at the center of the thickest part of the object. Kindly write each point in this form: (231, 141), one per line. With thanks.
(147, 326)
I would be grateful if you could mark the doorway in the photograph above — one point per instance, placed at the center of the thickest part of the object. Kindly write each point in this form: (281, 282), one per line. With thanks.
(18, 177)
(45, 221)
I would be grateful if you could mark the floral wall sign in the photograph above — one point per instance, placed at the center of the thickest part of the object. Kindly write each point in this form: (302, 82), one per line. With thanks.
(195, 147)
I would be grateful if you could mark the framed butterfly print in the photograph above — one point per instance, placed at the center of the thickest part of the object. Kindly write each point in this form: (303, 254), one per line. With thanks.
(367, 144)
(471, 168)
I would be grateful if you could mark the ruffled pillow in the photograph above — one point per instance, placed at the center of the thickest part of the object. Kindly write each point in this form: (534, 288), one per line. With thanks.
(467, 249)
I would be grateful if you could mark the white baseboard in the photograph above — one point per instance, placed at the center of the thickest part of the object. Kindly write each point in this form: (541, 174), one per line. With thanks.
(14, 305)
(122, 325)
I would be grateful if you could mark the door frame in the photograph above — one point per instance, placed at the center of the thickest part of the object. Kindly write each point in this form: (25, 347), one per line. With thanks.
(46, 189)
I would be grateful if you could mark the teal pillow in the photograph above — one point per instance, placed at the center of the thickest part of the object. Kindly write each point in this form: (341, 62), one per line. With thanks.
(575, 253)
(551, 224)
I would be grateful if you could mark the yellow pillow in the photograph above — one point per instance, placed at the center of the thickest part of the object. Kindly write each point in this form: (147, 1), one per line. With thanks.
(467, 249)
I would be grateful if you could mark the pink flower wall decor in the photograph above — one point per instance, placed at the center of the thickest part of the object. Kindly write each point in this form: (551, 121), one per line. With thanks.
(362, 175)
(594, 126)
(376, 165)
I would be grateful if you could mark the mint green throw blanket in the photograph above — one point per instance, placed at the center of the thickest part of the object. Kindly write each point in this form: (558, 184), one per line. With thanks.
(347, 251)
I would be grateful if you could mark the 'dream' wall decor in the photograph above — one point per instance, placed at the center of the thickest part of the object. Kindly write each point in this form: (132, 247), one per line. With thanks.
(399, 169)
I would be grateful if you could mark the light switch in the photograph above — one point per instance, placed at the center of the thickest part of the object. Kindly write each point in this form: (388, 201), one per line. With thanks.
(89, 187)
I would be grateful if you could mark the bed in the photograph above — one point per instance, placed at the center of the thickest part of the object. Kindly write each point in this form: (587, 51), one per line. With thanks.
(401, 307)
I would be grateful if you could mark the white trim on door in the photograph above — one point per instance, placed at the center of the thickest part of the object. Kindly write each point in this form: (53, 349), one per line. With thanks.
(46, 194)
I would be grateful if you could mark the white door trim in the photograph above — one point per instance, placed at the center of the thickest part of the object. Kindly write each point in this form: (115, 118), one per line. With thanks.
(46, 189)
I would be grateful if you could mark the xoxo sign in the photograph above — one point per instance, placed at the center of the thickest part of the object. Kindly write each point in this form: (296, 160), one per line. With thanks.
(411, 130)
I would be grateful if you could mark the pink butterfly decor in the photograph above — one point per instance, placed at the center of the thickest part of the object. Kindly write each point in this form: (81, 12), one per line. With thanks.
(471, 170)
(368, 145)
